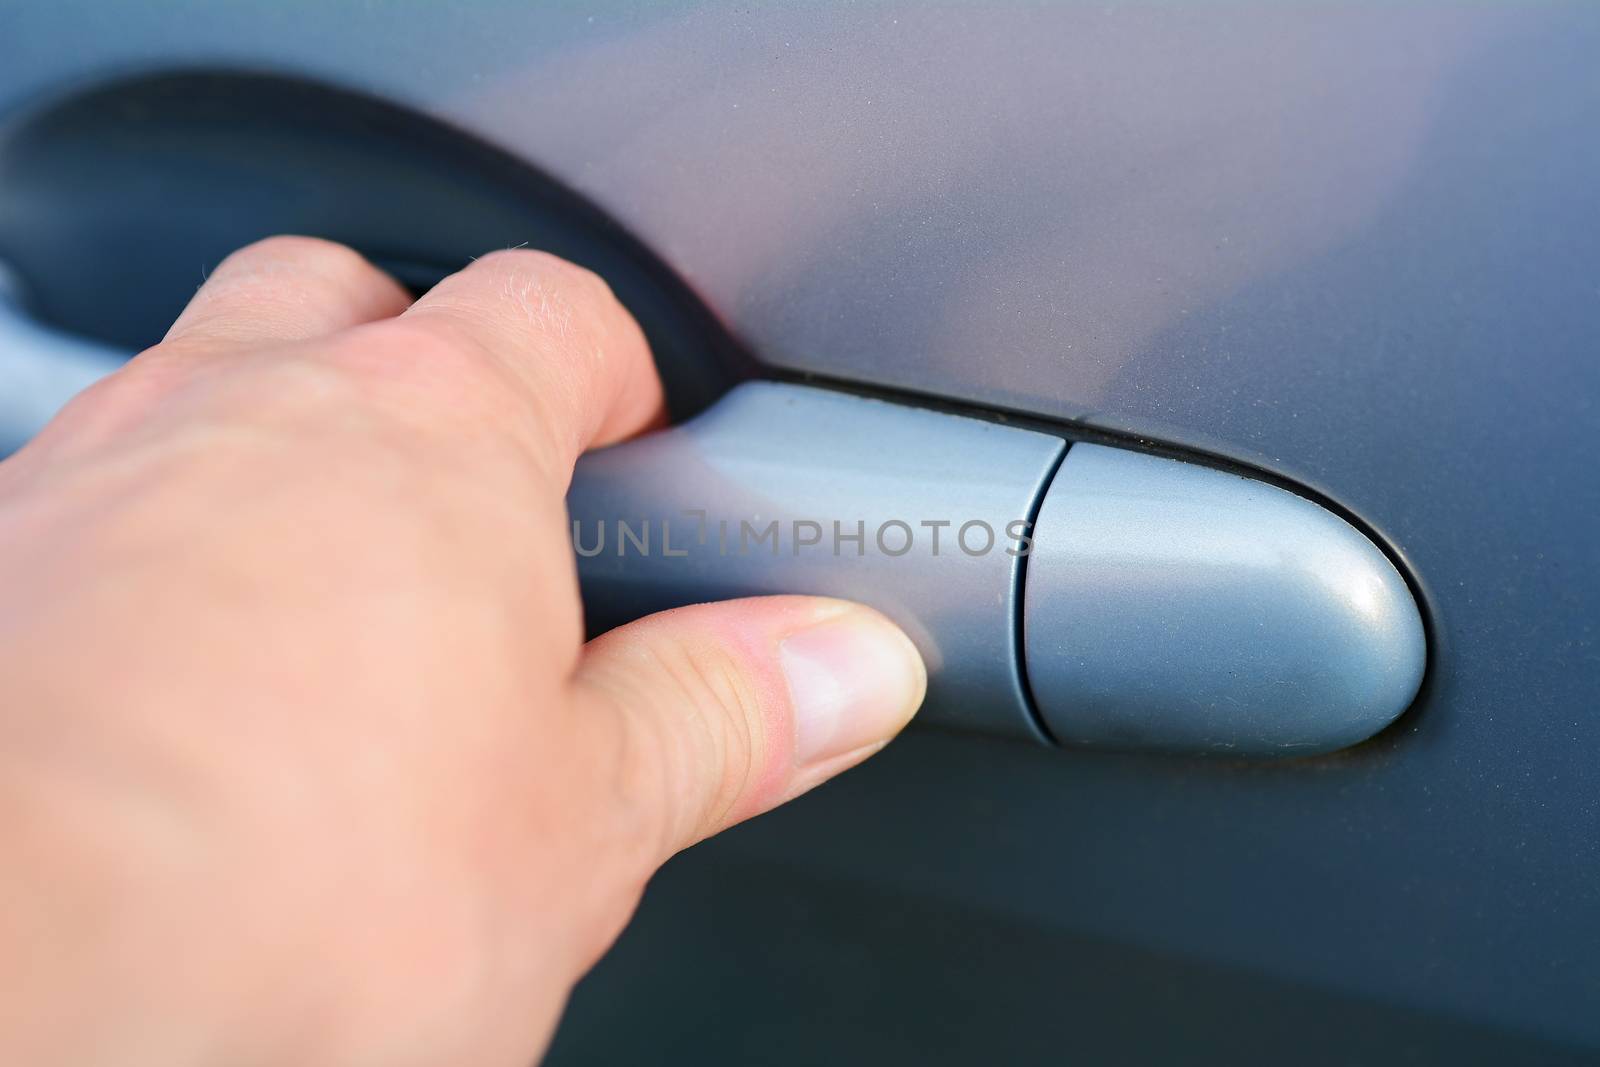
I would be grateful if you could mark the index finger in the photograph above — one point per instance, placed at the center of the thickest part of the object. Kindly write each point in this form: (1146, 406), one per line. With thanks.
(577, 357)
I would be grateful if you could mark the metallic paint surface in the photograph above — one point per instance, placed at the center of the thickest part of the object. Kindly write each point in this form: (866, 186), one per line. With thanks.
(1176, 608)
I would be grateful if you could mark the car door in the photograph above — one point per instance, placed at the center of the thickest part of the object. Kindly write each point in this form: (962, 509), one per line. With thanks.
(1347, 249)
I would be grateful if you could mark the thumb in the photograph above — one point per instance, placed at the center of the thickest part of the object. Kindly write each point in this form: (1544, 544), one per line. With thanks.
(726, 710)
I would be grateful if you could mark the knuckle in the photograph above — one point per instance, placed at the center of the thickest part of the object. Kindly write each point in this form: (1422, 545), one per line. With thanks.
(111, 399)
(687, 728)
(292, 259)
(722, 722)
(690, 744)
(293, 249)
(131, 392)
(537, 272)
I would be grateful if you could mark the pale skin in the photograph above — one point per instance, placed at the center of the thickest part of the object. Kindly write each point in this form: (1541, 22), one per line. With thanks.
(303, 757)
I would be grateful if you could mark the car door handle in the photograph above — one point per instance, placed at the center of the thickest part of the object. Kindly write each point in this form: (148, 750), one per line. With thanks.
(1077, 592)
(1064, 592)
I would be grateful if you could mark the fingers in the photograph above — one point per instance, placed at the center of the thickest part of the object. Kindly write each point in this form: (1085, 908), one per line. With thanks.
(721, 711)
(580, 362)
(285, 289)
(564, 358)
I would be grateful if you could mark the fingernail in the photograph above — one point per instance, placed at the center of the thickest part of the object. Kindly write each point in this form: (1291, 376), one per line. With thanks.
(855, 679)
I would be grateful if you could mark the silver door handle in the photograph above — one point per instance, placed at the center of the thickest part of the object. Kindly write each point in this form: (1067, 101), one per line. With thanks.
(1117, 600)
(41, 368)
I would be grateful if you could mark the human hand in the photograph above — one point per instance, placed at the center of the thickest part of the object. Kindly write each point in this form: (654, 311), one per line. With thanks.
(303, 757)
